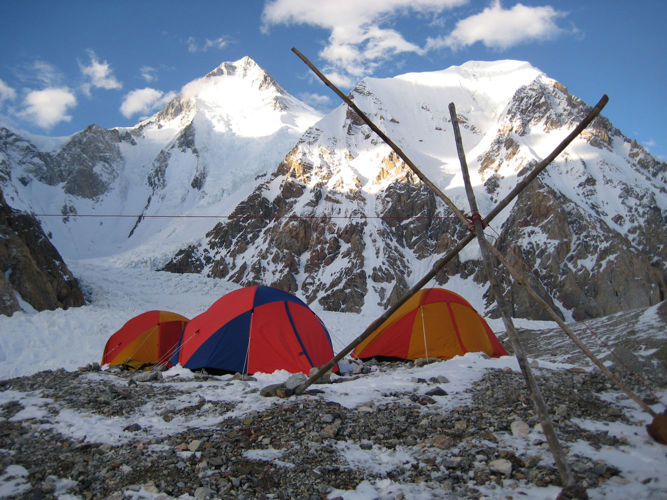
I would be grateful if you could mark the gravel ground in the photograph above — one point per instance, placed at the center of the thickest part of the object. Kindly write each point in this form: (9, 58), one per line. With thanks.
(426, 439)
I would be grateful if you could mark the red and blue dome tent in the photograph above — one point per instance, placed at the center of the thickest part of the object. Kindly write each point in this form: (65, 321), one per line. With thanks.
(255, 329)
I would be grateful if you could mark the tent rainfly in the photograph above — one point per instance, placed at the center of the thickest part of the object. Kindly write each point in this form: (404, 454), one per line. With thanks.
(145, 340)
(255, 329)
(434, 323)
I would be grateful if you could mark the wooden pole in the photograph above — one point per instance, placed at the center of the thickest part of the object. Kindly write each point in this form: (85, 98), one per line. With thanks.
(519, 278)
(457, 249)
(535, 393)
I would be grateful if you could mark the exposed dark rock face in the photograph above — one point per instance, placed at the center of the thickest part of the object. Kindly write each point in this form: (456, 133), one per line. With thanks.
(318, 228)
(31, 267)
(86, 165)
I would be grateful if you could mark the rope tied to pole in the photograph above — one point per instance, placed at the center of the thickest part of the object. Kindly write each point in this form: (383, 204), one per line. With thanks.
(473, 218)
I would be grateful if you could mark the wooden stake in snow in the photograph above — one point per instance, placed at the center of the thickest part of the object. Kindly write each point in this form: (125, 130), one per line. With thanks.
(541, 408)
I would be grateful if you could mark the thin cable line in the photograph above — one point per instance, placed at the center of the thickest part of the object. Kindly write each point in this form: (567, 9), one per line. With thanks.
(268, 217)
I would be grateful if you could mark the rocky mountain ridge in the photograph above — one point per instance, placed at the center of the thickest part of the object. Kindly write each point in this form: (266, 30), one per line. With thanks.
(343, 222)
(326, 210)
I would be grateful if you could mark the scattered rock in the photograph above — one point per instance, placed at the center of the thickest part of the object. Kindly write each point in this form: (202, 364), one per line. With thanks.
(501, 466)
(325, 378)
(147, 376)
(270, 390)
(438, 391)
(295, 381)
(451, 449)
(520, 428)
(194, 445)
(284, 392)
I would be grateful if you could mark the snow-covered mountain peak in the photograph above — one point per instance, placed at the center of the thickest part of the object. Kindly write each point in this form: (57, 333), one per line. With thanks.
(244, 68)
(239, 98)
(200, 153)
(333, 213)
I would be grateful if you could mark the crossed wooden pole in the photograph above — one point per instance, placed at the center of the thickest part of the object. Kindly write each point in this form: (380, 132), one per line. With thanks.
(475, 227)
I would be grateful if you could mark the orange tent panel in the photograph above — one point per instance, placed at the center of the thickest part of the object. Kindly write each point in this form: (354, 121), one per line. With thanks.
(434, 323)
(148, 338)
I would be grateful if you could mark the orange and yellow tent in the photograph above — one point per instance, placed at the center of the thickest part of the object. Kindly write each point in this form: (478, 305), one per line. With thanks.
(433, 323)
(147, 339)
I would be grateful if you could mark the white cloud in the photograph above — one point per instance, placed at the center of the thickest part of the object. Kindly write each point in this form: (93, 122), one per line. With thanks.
(357, 42)
(48, 107)
(144, 101)
(148, 73)
(194, 46)
(316, 100)
(219, 43)
(500, 28)
(46, 73)
(6, 92)
(99, 74)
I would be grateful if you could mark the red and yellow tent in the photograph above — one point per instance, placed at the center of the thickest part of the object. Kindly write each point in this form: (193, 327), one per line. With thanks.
(434, 323)
(145, 340)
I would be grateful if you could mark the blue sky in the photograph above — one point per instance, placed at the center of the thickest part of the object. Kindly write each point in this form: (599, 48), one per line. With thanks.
(67, 64)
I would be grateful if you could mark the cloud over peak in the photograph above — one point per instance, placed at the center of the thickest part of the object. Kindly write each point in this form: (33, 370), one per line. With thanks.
(499, 28)
(195, 46)
(6, 92)
(144, 101)
(99, 75)
(48, 107)
(362, 35)
(358, 41)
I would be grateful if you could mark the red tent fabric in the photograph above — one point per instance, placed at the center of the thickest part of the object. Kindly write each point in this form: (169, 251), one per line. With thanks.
(147, 339)
(433, 323)
(255, 329)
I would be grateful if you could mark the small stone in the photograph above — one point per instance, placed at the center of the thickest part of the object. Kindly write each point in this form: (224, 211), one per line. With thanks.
(441, 441)
(424, 361)
(295, 381)
(132, 428)
(426, 400)
(327, 418)
(194, 445)
(148, 376)
(520, 428)
(284, 392)
(150, 487)
(437, 391)
(460, 425)
(270, 390)
(332, 429)
(325, 378)
(202, 493)
(501, 466)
